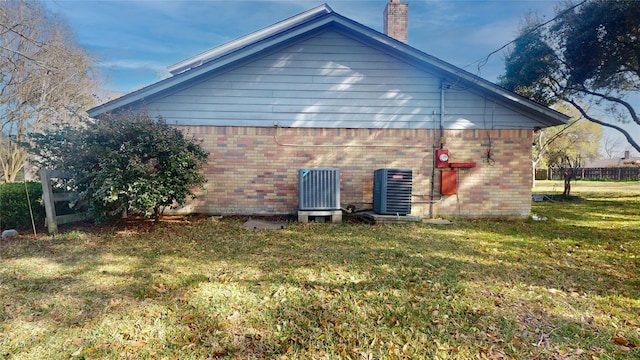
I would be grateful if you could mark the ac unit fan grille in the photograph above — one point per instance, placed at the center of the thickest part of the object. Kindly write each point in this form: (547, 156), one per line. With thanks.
(319, 189)
(392, 191)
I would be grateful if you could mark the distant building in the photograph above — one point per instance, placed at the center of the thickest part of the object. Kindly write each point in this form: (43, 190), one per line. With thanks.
(626, 160)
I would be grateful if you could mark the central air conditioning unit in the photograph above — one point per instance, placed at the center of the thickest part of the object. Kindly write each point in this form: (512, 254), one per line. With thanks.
(319, 189)
(392, 191)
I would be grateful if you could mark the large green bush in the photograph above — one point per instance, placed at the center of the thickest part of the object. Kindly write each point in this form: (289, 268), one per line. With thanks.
(126, 162)
(14, 207)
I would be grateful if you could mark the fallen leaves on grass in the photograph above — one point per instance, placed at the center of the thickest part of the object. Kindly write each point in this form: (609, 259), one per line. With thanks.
(624, 343)
(479, 290)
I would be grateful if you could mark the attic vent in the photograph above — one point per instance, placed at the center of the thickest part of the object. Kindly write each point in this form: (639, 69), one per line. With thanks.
(392, 191)
(319, 189)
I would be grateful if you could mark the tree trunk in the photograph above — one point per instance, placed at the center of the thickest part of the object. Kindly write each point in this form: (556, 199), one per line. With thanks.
(568, 174)
(534, 166)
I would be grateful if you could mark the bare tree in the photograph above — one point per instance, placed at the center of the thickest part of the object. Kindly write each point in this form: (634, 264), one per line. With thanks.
(611, 146)
(570, 145)
(45, 78)
(566, 144)
(568, 165)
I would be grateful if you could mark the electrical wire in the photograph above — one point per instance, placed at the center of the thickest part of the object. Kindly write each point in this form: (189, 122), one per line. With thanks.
(458, 192)
(489, 158)
(485, 59)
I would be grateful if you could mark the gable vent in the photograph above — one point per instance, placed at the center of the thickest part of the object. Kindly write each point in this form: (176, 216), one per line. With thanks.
(392, 191)
(319, 189)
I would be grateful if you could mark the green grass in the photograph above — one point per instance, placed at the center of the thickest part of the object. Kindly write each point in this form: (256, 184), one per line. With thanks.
(566, 288)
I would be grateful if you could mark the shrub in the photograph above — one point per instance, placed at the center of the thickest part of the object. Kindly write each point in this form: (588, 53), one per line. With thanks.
(125, 162)
(14, 207)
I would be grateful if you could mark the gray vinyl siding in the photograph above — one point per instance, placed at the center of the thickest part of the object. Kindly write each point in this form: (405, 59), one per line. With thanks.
(331, 81)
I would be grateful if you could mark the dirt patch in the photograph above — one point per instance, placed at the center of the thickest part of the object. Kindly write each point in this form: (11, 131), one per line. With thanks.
(263, 225)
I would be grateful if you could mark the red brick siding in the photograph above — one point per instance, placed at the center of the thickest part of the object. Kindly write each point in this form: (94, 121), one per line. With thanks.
(395, 21)
(255, 170)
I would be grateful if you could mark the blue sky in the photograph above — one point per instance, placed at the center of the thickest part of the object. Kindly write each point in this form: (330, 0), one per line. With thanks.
(135, 41)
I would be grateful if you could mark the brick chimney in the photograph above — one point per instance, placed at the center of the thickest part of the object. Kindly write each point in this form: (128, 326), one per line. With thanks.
(396, 21)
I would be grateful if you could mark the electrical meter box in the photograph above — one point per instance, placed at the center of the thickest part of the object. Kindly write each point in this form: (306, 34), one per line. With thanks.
(442, 158)
(448, 182)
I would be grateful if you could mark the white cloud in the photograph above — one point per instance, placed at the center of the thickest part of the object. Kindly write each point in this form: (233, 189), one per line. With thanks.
(133, 65)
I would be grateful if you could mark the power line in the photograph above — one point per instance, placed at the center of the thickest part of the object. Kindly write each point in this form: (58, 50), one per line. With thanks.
(483, 60)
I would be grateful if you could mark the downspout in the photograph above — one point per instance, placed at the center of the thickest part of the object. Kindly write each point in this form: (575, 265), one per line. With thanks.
(433, 182)
(433, 165)
(441, 112)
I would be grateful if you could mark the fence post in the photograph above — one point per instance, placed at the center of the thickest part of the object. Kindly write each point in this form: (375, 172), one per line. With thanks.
(49, 203)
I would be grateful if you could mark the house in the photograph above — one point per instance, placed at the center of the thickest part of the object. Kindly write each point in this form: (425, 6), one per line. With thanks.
(626, 160)
(320, 90)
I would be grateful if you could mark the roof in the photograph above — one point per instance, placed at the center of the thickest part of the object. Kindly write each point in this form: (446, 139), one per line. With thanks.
(239, 43)
(283, 32)
(603, 163)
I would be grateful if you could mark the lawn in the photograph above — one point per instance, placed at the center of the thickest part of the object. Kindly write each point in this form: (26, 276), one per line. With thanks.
(565, 288)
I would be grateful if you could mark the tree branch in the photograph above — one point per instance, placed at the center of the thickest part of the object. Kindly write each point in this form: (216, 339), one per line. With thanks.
(616, 100)
(17, 52)
(592, 119)
(20, 34)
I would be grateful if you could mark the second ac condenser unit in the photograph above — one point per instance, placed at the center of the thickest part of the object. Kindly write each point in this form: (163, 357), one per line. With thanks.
(319, 189)
(392, 191)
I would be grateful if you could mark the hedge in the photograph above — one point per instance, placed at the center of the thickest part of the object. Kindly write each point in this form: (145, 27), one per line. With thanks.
(14, 207)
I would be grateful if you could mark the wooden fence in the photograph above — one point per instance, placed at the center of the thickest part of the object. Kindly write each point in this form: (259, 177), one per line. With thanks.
(50, 198)
(608, 173)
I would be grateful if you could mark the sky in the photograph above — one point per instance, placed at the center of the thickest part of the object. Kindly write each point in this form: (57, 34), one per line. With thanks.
(135, 41)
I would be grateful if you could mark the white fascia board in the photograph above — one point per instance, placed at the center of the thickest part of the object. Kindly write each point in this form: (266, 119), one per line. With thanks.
(246, 40)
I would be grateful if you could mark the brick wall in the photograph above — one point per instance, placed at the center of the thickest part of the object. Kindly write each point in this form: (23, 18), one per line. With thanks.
(396, 20)
(500, 185)
(255, 170)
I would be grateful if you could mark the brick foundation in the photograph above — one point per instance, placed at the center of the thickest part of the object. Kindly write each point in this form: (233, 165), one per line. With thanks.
(254, 170)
